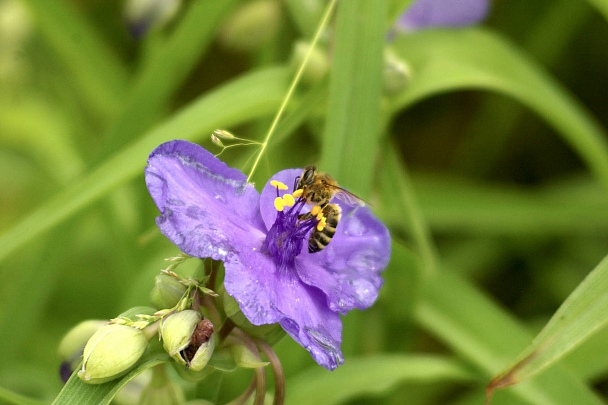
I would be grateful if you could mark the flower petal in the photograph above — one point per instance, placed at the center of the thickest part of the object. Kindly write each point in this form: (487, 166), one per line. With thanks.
(442, 13)
(349, 269)
(207, 208)
(267, 295)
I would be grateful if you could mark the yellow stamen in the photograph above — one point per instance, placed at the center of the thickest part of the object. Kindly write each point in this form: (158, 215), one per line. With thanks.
(288, 200)
(321, 224)
(298, 193)
(278, 204)
(278, 184)
(315, 210)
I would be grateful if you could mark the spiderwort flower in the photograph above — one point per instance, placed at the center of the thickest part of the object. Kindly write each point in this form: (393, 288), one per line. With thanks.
(210, 210)
(442, 13)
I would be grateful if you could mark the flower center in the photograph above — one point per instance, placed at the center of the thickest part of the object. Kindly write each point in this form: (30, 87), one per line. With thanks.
(290, 229)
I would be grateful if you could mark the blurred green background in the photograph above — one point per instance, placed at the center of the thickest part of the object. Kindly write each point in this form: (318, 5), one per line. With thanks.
(487, 159)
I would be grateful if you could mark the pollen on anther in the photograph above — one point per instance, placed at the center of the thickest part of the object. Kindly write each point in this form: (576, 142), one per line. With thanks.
(315, 210)
(321, 224)
(278, 204)
(288, 200)
(298, 193)
(278, 185)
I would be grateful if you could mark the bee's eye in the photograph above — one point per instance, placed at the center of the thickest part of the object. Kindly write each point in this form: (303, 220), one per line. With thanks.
(308, 176)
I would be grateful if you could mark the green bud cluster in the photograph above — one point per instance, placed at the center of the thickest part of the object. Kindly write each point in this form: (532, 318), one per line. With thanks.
(111, 349)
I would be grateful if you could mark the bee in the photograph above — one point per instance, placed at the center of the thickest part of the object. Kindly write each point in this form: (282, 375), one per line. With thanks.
(318, 189)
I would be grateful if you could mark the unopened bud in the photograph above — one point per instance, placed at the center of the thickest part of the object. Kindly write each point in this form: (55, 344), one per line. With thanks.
(167, 291)
(111, 352)
(144, 15)
(201, 346)
(246, 358)
(216, 141)
(396, 74)
(223, 134)
(253, 24)
(72, 345)
(188, 338)
(317, 64)
(176, 331)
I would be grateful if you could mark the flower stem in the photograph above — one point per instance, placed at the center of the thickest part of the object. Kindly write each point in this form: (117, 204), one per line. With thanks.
(260, 386)
(294, 82)
(226, 328)
(277, 369)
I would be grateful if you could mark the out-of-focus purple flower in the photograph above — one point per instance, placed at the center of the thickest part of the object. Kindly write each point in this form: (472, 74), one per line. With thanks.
(210, 210)
(442, 13)
(145, 15)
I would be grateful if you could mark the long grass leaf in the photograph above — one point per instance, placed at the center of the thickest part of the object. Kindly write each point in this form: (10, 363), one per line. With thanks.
(373, 375)
(96, 70)
(256, 94)
(350, 140)
(159, 79)
(476, 328)
(443, 60)
(584, 313)
(601, 6)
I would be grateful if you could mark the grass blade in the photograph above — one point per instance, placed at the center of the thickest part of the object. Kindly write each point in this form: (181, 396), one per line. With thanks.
(353, 120)
(256, 94)
(443, 60)
(584, 313)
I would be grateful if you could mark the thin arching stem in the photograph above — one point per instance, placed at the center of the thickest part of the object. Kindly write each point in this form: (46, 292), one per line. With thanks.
(294, 83)
(277, 369)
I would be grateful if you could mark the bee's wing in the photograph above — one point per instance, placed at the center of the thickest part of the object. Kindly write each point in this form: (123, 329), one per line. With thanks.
(349, 198)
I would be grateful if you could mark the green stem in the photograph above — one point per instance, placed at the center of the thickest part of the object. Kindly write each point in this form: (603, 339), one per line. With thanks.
(294, 83)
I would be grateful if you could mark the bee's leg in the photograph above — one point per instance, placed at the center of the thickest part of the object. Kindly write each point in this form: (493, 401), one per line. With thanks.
(304, 217)
(314, 211)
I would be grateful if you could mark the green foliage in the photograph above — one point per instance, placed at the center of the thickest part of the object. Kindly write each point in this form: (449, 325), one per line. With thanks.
(490, 168)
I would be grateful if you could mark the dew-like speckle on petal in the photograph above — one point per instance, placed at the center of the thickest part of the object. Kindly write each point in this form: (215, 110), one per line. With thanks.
(354, 226)
(175, 201)
(363, 259)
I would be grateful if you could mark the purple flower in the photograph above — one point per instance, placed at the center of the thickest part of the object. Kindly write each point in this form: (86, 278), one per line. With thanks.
(210, 210)
(442, 13)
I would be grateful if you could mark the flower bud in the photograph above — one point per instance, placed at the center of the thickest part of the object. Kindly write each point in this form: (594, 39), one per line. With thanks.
(71, 346)
(167, 291)
(145, 15)
(188, 338)
(111, 352)
(176, 331)
(317, 65)
(246, 358)
(253, 24)
(396, 75)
